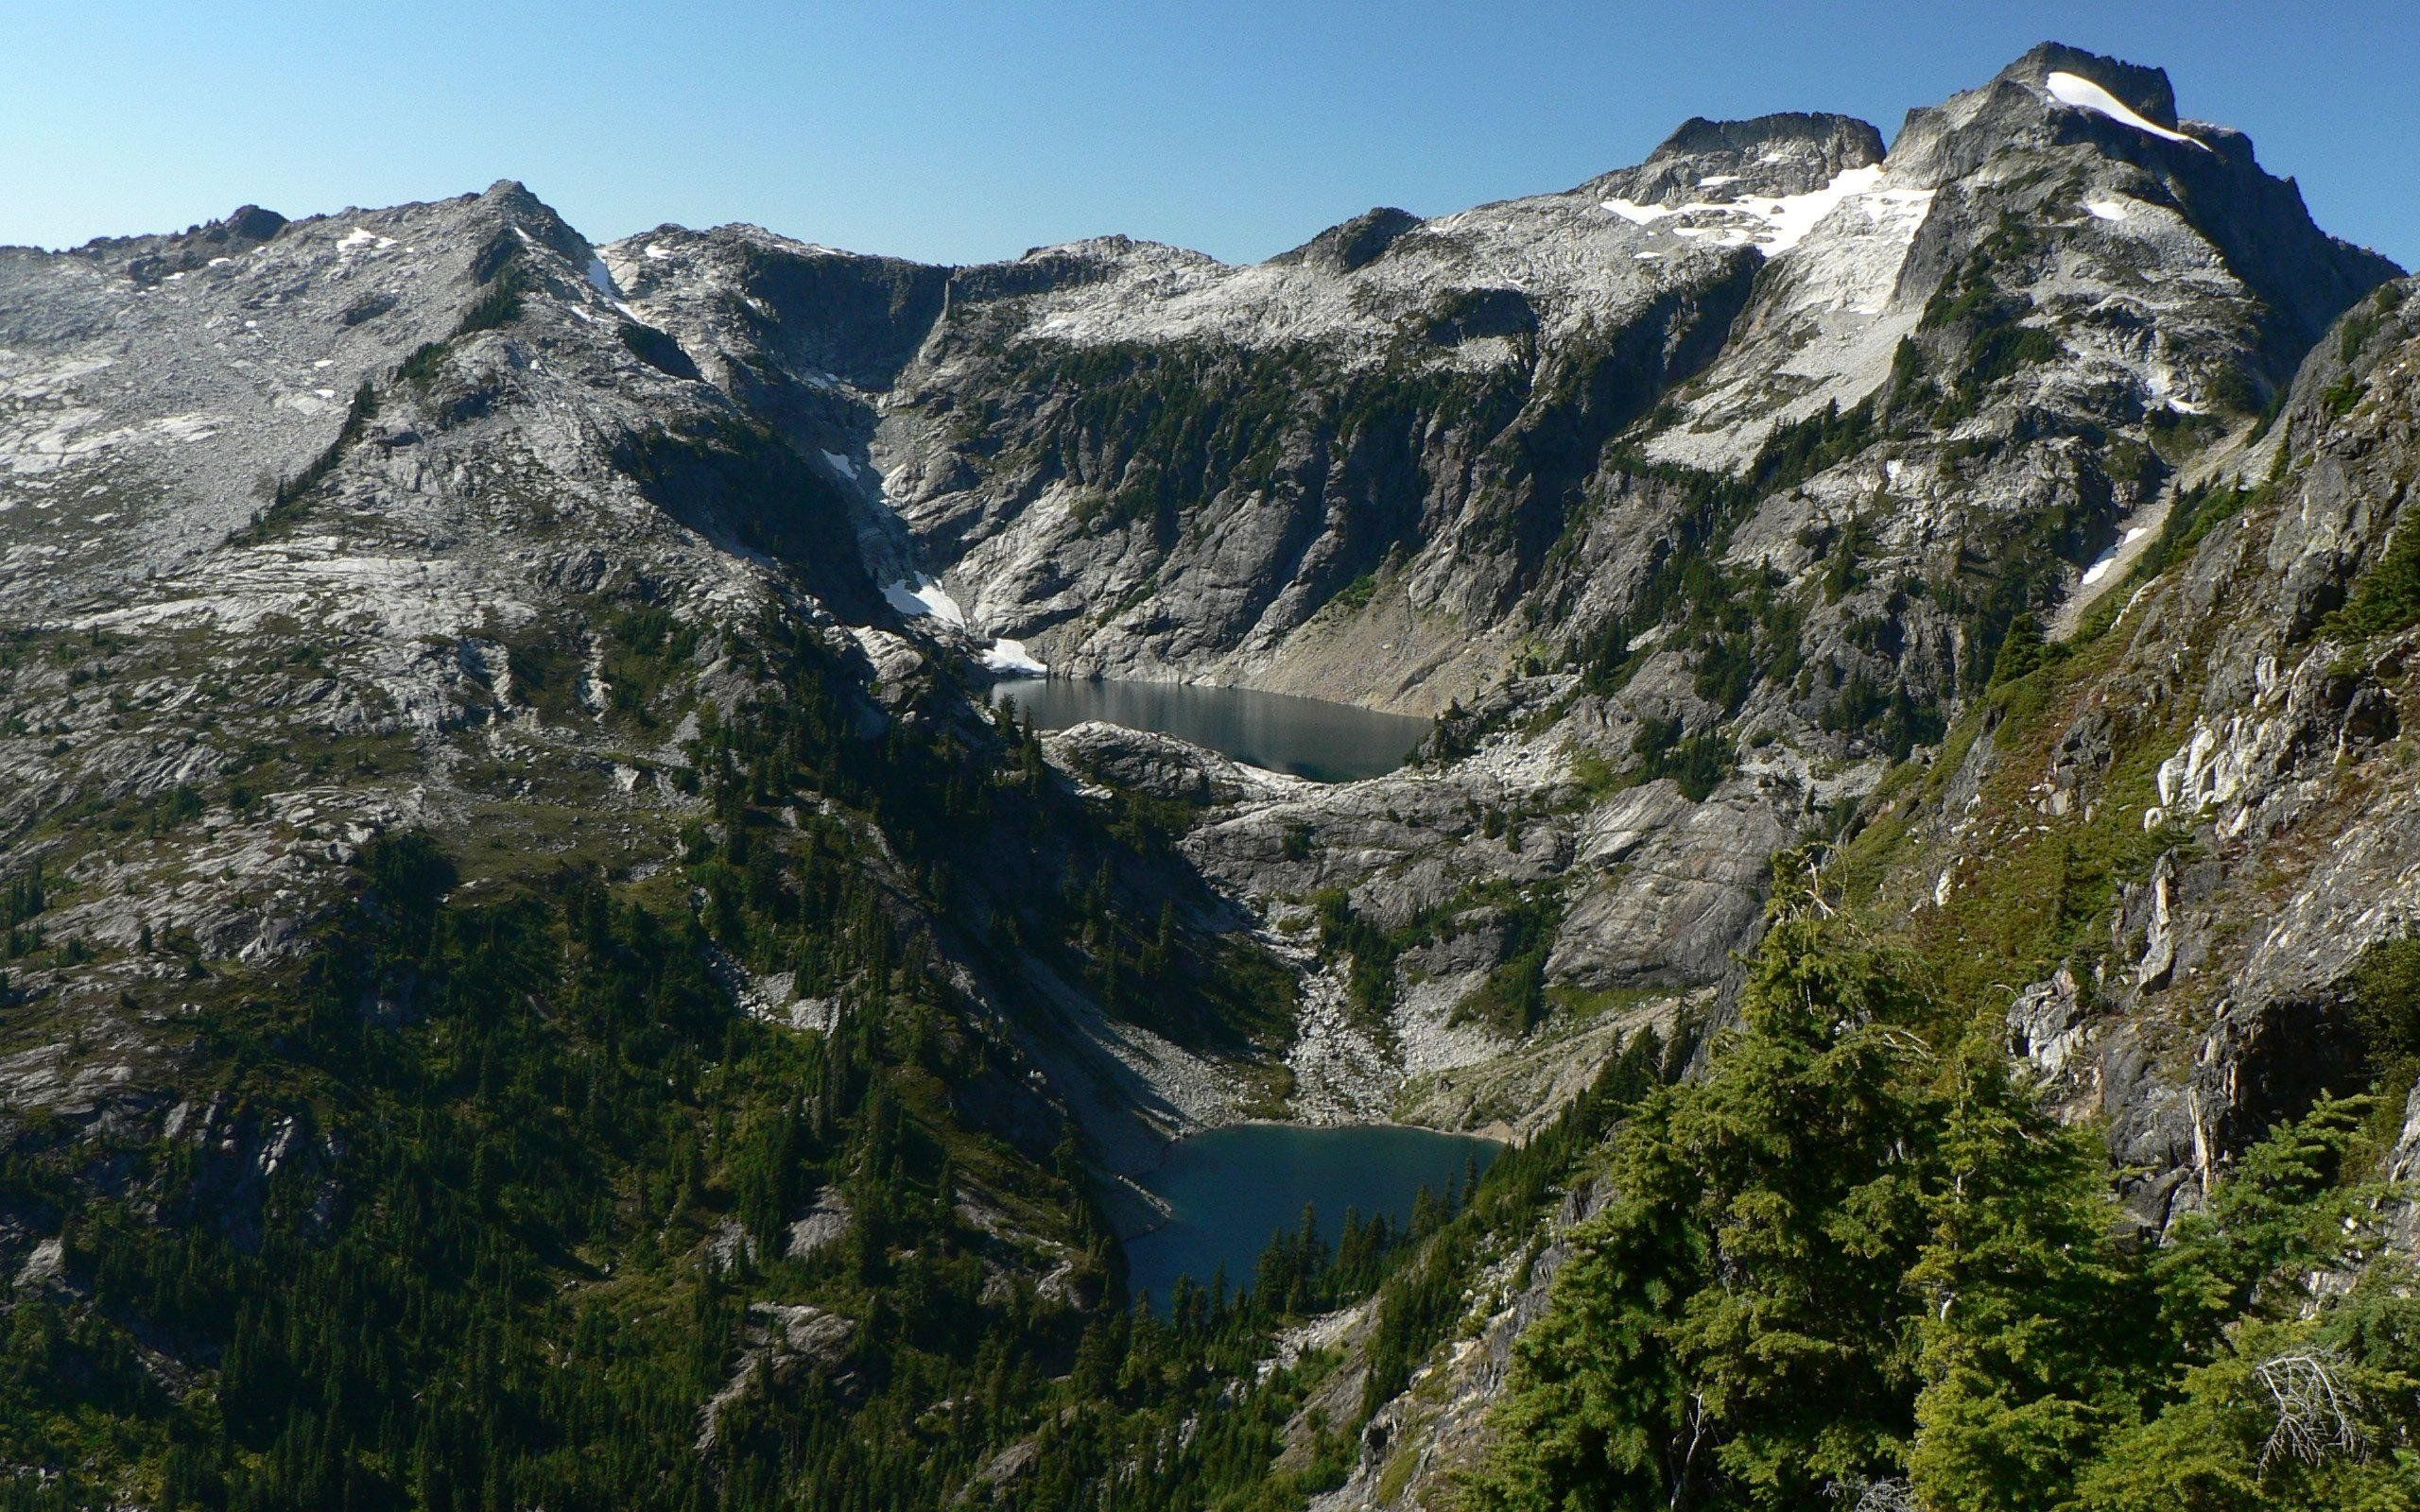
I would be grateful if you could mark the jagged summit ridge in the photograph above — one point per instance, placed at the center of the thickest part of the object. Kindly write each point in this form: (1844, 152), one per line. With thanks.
(1355, 243)
(1747, 275)
(2183, 235)
(2143, 89)
(1790, 153)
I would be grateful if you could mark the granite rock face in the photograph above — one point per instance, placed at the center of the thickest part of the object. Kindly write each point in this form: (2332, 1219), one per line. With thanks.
(1692, 497)
(1372, 464)
(2254, 739)
(1713, 505)
(315, 530)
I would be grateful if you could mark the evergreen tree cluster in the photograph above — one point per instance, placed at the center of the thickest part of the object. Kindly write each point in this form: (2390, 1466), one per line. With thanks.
(1860, 1263)
(481, 1208)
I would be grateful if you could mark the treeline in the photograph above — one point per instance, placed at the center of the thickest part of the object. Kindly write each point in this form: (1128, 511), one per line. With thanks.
(986, 840)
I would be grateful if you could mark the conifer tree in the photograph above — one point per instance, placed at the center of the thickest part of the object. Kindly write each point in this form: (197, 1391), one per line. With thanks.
(2027, 1307)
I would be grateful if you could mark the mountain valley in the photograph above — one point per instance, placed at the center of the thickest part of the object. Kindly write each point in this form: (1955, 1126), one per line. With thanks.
(546, 966)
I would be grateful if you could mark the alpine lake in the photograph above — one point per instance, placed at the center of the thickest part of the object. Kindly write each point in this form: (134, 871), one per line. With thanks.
(1307, 737)
(1230, 1191)
(1233, 1190)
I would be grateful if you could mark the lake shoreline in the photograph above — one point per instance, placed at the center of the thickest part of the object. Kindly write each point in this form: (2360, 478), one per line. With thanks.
(1315, 739)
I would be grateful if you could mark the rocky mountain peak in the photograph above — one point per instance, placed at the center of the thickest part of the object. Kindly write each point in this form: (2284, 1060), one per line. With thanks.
(512, 193)
(249, 223)
(1355, 244)
(2055, 95)
(2113, 124)
(145, 258)
(2144, 90)
(510, 203)
(1848, 141)
(1792, 152)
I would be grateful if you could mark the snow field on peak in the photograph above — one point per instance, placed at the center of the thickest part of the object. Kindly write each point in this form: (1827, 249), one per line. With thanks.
(1839, 319)
(2081, 93)
(1778, 223)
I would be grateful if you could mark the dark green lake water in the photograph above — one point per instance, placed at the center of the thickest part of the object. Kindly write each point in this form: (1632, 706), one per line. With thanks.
(1234, 1189)
(1308, 737)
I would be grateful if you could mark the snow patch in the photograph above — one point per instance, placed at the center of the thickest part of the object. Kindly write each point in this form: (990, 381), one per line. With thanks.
(925, 596)
(2106, 209)
(841, 465)
(2081, 93)
(602, 277)
(2100, 568)
(659, 254)
(1011, 657)
(1776, 225)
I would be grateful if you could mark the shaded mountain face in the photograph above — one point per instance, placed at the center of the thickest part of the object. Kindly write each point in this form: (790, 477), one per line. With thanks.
(551, 673)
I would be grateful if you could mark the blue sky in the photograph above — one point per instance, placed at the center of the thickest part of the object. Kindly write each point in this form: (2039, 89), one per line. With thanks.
(961, 131)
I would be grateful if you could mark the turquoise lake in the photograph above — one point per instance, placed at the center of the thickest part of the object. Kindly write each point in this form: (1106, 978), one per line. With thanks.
(1233, 1190)
(1307, 737)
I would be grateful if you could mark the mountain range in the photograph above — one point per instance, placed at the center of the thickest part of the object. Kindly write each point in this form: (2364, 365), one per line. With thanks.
(537, 976)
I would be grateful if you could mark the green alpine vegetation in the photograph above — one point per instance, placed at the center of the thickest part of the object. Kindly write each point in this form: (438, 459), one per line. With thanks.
(1859, 1263)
